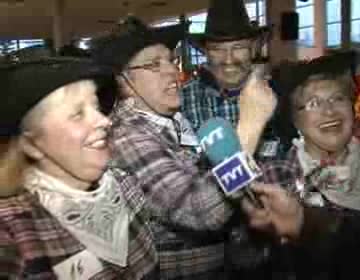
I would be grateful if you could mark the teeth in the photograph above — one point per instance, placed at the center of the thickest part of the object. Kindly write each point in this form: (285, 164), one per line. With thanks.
(173, 85)
(98, 144)
(329, 124)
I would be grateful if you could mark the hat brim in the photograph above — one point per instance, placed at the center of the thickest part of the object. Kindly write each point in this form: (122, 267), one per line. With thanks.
(170, 35)
(199, 40)
(26, 84)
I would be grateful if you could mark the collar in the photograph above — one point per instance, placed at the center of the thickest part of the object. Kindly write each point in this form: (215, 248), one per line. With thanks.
(177, 125)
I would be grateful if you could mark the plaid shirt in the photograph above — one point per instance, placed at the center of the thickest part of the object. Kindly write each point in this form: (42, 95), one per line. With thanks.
(289, 264)
(202, 101)
(284, 172)
(32, 241)
(188, 210)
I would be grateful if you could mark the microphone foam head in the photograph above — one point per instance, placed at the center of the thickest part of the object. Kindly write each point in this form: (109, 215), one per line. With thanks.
(218, 140)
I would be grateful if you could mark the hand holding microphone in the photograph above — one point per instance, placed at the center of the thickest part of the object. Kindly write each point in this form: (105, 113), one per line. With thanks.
(257, 104)
(233, 168)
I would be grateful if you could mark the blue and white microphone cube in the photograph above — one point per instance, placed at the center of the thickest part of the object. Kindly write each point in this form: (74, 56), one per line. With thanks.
(236, 172)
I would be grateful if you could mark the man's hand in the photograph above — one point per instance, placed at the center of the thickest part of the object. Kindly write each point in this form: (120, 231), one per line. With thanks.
(282, 213)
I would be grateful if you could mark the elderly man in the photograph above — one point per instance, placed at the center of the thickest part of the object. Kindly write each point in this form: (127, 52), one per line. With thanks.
(230, 43)
(188, 212)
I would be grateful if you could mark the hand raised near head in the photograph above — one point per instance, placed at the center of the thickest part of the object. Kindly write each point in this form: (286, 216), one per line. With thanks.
(257, 104)
(257, 100)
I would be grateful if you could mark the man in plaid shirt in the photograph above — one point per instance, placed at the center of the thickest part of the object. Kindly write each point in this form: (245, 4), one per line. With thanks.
(189, 213)
(228, 42)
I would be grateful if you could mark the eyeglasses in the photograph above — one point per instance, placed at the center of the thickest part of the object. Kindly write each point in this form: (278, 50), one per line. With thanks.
(156, 64)
(236, 51)
(316, 103)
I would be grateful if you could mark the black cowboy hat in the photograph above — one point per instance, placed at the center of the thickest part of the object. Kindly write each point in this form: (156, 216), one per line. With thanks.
(25, 84)
(132, 35)
(227, 20)
(287, 76)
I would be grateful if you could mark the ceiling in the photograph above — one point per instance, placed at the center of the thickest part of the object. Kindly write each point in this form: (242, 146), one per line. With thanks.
(33, 18)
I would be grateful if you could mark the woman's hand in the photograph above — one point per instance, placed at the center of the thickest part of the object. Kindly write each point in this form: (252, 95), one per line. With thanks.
(257, 103)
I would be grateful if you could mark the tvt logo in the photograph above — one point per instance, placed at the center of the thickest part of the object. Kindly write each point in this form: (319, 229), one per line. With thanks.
(213, 137)
(233, 174)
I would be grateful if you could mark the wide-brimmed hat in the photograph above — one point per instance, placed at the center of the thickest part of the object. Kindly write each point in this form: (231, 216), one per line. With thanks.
(287, 76)
(227, 20)
(25, 84)
(130, 37)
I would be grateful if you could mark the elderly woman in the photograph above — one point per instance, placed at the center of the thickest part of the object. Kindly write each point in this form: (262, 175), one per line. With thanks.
(58, 219)
(323, 164)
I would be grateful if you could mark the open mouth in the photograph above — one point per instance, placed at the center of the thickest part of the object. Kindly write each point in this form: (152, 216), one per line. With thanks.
(98, 145)
(173, 88)
(331, 125)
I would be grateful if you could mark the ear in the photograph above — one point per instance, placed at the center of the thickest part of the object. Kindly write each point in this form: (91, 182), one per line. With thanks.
(27, 144)
(126, 84)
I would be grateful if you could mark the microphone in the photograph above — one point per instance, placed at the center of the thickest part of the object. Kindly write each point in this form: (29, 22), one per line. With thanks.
(233, 168)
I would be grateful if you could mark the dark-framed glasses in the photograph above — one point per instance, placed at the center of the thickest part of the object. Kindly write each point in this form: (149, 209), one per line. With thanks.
(156, 64)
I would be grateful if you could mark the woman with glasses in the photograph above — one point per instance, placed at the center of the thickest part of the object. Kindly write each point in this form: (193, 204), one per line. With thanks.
(323, 165)
(318, 103)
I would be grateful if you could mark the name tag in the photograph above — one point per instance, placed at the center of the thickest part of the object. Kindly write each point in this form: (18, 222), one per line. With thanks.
(81, 266)
(269, 148)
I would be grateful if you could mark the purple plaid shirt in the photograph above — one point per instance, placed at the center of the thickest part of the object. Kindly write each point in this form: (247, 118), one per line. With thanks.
(188, 210)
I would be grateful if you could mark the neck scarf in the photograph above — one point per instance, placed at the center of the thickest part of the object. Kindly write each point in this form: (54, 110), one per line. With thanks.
(339, 182)
(99, 219)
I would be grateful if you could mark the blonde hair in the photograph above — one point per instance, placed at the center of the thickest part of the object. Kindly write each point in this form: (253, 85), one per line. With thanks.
(13, 164)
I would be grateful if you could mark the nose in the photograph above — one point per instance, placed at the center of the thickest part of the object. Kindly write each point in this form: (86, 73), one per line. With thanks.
(229, 56)
(328, 107)
(102, 120)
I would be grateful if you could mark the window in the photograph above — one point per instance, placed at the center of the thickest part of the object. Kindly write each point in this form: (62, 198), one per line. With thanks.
(166, 22)
(197, 26)
(197, 23)
(256, 11)
(306, 22)
(333, 23)
(84, 43)
(30, 43)
(355, 21)
(7, 46)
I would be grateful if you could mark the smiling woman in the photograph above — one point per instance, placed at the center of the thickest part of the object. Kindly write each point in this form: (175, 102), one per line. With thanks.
(62, 212)
(322, 167)
(317, 100)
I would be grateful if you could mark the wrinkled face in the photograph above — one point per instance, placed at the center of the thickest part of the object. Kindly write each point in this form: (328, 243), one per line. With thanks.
(70, 140)
(230, 62)
(154, 77)
(324, 115)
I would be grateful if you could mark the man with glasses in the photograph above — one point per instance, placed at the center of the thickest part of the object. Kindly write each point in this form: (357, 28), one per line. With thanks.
(188, 213)
(229, 43)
